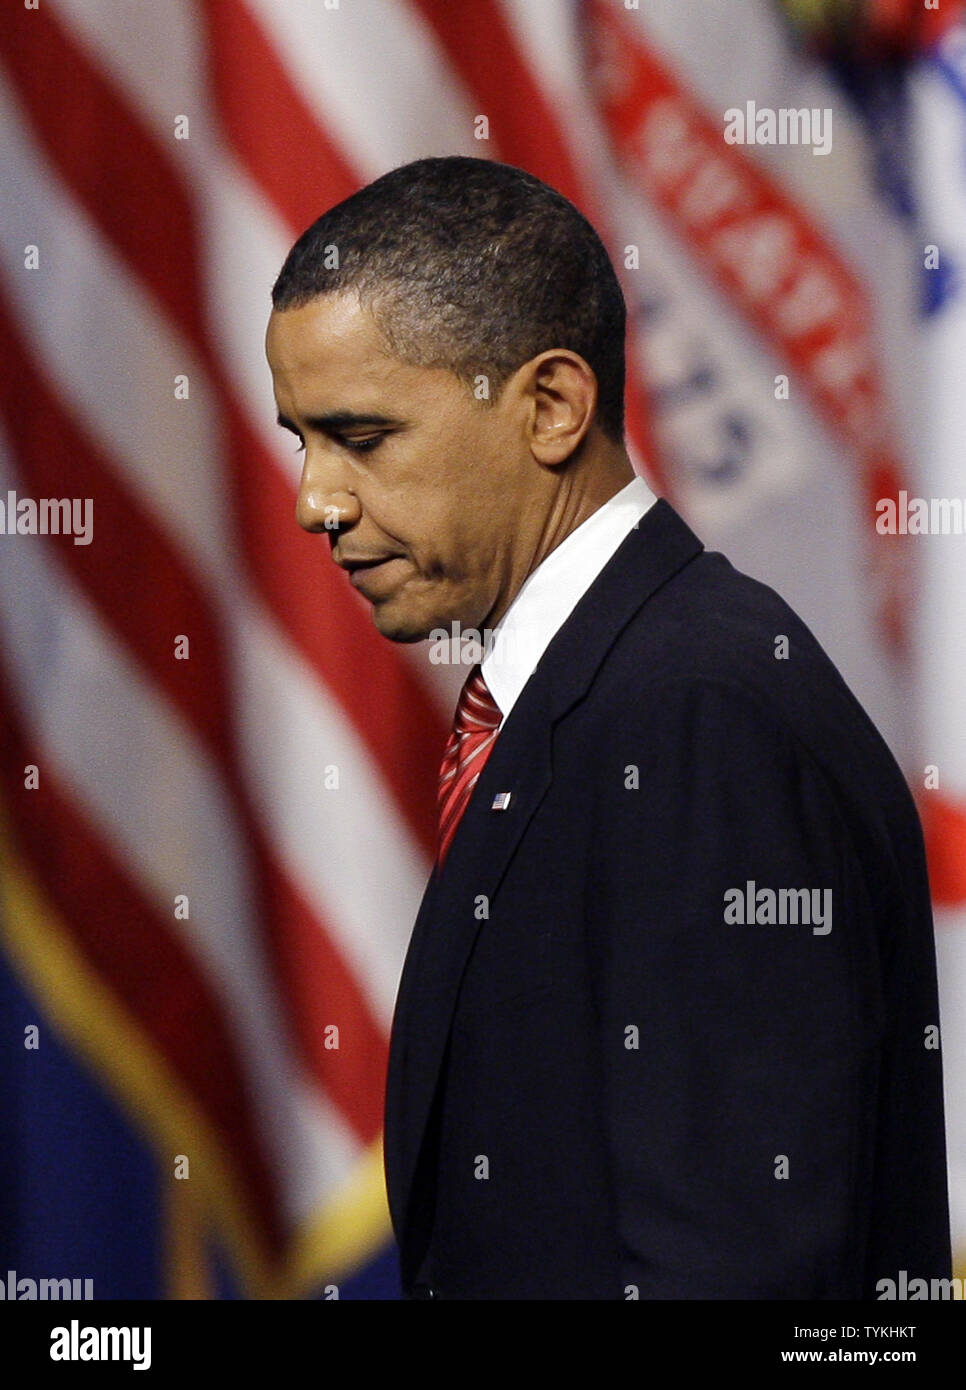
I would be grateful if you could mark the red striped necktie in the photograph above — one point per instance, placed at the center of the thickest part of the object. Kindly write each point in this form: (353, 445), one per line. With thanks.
(475, 727)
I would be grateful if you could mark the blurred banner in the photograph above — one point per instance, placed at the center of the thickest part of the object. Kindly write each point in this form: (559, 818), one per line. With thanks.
(217, 783)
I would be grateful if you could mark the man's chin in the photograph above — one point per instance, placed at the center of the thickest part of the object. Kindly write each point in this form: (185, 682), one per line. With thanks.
(397, 625)
(400, 627)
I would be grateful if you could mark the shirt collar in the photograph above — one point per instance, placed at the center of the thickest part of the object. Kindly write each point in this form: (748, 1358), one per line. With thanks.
(550, 593)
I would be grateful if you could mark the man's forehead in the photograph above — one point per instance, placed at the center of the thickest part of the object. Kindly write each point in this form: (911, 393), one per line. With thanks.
(325, 332)
(329, 354)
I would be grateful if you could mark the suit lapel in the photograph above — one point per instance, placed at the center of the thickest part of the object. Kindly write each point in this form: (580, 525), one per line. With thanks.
(520, 763)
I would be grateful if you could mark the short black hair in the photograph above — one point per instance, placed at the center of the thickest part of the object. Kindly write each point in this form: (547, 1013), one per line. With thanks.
(470, 265)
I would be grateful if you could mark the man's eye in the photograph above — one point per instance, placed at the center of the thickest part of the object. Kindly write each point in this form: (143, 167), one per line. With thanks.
(359, 446)
(362, 446)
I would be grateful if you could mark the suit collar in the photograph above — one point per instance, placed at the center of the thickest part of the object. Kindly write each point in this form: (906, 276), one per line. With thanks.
(552, 591)
(656, 548)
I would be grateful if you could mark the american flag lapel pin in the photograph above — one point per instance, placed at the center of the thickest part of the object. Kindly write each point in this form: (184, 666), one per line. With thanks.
(501, 801)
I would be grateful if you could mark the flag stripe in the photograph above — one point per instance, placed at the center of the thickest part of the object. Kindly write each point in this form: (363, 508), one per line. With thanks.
(265, 119)
(106, 145)
(129, 547)
(154, 974)
(310, 599)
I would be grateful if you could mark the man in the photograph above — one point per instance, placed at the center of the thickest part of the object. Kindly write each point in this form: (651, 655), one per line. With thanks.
(667, 1023)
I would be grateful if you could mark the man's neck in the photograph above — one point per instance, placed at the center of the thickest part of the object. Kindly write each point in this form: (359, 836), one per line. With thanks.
(577, 497)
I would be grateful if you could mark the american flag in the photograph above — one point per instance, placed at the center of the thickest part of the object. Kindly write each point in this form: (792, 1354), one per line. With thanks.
(218, 780)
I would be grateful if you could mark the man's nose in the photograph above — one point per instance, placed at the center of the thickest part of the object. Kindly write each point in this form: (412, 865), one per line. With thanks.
(324, 501)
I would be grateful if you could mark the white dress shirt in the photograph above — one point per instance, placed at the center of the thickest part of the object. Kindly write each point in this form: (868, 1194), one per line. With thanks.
(549, 595)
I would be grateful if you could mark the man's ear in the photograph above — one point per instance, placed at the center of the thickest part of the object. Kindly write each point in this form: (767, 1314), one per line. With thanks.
(561, 393)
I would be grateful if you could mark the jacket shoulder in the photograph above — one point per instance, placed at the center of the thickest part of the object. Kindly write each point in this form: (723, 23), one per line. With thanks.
(712, 628)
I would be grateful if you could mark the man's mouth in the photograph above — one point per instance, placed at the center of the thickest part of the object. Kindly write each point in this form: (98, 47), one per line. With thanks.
(364, 572)
(354, 562)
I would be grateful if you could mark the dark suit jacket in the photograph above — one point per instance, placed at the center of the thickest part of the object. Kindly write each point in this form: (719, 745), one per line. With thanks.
(599, 1087)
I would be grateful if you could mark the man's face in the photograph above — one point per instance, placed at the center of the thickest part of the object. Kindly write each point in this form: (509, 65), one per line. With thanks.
(418, 475)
